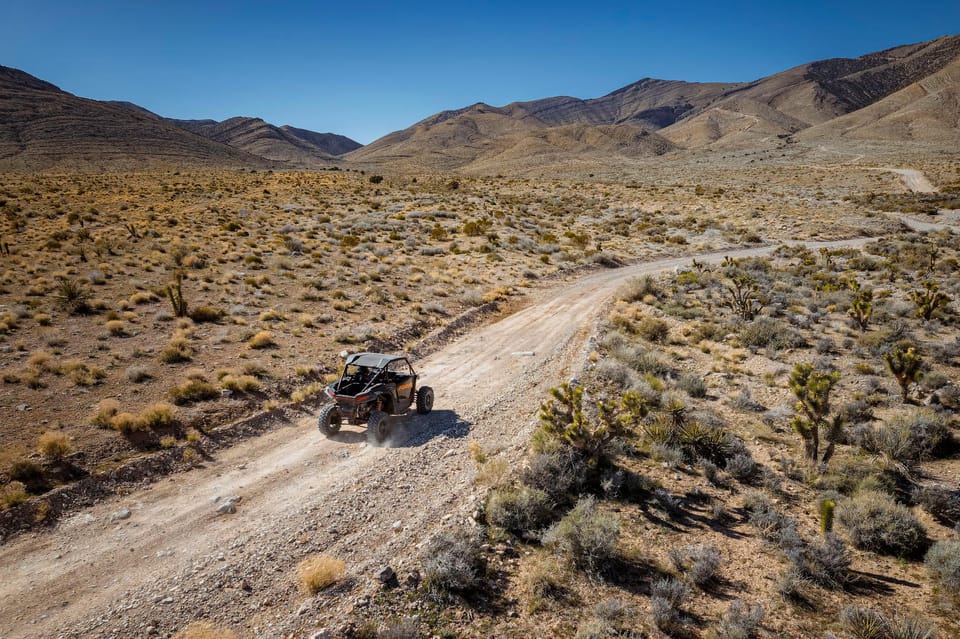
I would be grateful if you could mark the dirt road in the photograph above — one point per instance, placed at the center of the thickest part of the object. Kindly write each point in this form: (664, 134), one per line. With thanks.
(913, 180)
(147, 563)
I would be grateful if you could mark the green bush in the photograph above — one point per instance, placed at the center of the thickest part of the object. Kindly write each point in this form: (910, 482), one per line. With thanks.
(585, 535)
(562, 473)
(877, 523)
(740, 621)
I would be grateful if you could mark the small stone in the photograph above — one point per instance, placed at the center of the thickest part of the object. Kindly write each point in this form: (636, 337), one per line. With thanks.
(321, 634)
(397, 525)
(123, 513)
(386, 574)
(23, 407)
(227, 508)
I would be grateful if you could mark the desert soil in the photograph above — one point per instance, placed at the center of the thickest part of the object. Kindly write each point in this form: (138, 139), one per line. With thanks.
(151, 561)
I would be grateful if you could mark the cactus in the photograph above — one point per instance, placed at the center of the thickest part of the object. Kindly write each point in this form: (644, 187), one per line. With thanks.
(906, 367)
(826, 516)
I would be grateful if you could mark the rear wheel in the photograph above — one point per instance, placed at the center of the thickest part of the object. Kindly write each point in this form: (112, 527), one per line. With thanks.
(424, 400)
(378, 427)
(330, 420)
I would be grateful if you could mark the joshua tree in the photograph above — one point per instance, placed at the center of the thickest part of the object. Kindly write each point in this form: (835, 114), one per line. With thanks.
(928, 299)
(861, 306)
(743, 296)
(812, 388)
(906, 368)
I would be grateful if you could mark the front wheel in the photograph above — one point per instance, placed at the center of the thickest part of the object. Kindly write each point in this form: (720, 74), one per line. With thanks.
(378, 427)
(424, 400)
(330, 420)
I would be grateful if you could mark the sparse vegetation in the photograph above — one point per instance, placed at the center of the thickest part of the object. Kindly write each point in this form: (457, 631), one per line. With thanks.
(319, 572)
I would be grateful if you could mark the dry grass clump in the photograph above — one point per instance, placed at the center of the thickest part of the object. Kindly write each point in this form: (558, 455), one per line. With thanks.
(319, 572)
(104, 413)
(205, 630)
(193, 390)
(240, 383)
(177, 351)
(157, 415)
(12, 494)
(54, 446)
(263, 339)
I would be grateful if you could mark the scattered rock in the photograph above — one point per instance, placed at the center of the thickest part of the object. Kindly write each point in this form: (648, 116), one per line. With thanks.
(321, 634)
(229, 505)
(123, 513)
(387, 575)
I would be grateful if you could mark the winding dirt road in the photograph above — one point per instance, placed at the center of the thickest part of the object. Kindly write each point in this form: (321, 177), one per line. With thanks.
(102, 574)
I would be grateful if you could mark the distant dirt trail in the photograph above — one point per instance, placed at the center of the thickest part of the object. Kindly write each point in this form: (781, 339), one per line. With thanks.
(914, 180)
(173, 559)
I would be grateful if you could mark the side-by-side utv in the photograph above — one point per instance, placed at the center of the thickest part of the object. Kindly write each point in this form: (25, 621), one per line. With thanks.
(372, 387)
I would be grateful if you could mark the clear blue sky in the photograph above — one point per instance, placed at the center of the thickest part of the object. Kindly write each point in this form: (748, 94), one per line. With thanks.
(366, 68)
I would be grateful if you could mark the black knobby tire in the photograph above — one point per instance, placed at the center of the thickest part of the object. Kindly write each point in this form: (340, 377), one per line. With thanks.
(424, 400)
(329, 420)
(378, 427)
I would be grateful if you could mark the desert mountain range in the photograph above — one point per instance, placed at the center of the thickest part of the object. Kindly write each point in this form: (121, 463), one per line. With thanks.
(907, 94)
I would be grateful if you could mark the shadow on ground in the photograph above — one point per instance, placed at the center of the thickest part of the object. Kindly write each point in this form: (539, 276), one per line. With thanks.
(411, 430)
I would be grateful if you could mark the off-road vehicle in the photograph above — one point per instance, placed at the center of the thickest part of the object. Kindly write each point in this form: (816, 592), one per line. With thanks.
(372, 387)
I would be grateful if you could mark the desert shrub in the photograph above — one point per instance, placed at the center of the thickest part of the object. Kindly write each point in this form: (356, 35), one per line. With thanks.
(319, 572)
(692, 385)
(766, 332)
(12, 494)
(54, 446)
(453, 563)
(585, 535)
(543, 582)
(263, 339)
(617, 372)
(740, 621)
(942, 503)
(137, 374)
(666, 598)
(177, 351)
(206, 314)
(157, 415)
(606, 620)
(863, 623)
(522, 511)
(205, 630)
(240, 383)
(193, 390)
(910, 438)
(698, 562)
(791, 585)
(696, 439)
(741, 467)
(127, 423)
(637, 289)
(943, 564)
(877, 523)
(72, 296)
(561, 473)
(826, 563)
(104, 412)
(653, 329)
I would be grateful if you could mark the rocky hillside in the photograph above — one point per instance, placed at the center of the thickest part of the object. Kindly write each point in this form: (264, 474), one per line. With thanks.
(906, 92)
(42, 127)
